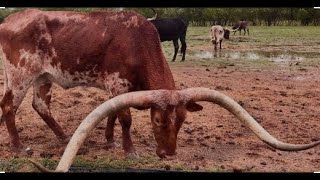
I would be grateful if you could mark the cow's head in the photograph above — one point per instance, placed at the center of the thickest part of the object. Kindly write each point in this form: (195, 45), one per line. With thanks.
(236, 25)
(226, 33)
(166, 125)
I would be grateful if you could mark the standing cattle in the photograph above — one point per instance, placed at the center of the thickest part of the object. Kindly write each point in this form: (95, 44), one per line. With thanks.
(114, 51)
(172, 29)
(118, 52)
(218, 33)
(241, 25)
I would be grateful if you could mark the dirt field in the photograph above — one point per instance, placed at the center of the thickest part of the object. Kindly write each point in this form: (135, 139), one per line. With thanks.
(281, 92)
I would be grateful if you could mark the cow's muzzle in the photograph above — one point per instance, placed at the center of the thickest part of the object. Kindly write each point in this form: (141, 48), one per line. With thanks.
(163, 153)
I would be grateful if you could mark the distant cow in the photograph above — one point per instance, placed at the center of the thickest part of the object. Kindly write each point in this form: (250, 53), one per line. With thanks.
(114, 51)
(218, 33)
(172, 29)
(241, 25)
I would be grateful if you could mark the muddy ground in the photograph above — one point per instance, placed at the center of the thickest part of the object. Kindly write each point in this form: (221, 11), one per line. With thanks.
(285, 101)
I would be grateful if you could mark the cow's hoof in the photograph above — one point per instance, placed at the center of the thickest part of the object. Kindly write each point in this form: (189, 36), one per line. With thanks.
(17, 148)
(132, 155)
(112, 144)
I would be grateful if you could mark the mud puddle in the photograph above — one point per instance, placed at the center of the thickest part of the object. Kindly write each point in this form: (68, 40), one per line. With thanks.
(278, 57)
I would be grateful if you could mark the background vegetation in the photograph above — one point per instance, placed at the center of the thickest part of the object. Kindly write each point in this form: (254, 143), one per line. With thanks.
(223, 16)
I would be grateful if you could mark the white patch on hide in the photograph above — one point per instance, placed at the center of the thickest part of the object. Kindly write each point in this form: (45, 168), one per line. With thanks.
(115, 17)
(64, 17)
(20, 77)
(132, 22)
(115, 85)
(217, 33)
(3, 58)
(67, 80)
(40, 104)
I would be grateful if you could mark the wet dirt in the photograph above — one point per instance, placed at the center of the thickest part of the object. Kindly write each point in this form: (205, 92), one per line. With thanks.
(285, 102)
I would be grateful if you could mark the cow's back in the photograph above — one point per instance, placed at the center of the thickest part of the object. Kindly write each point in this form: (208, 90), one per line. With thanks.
(170, 27)
(84, 48)
(241, 25)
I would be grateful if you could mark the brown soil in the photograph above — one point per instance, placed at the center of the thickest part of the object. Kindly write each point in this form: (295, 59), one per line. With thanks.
(286, 103)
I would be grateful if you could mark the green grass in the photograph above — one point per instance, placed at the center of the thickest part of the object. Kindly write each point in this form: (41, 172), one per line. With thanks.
(105, 162)
(299, 44)
(286, 34)
(12, 164)
(263, 34)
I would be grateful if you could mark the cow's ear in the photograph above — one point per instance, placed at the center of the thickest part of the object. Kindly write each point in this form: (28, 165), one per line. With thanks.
(193, 107)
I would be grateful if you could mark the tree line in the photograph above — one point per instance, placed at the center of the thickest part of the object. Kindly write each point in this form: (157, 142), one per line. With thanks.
(222, 16)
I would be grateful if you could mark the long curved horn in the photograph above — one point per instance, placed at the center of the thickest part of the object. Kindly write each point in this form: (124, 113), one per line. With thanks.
(204, 94)
(231, 30)
(163, 98)
(155, 15)
(133, 99)
(234, 30)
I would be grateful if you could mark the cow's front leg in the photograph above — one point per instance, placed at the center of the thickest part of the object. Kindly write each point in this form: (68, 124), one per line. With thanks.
(9, 105)
(117, 86)
(176, 49)
(110, 132)
(125, 121)
(9, 118)
(215, 45)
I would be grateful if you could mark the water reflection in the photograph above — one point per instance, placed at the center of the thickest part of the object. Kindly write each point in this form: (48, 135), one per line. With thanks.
(274, 56)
